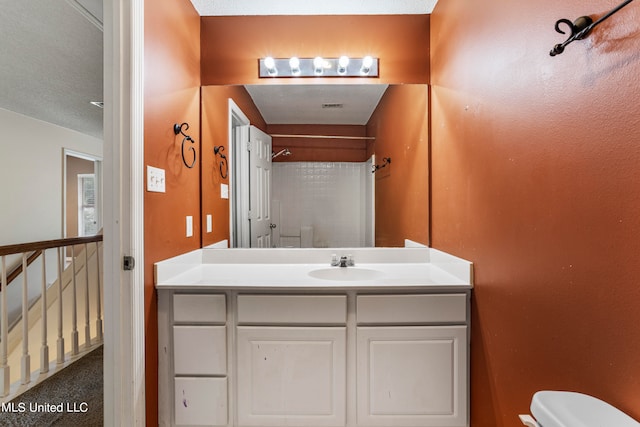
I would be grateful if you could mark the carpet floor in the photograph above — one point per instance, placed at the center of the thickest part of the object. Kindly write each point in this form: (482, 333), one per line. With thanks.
(72, 397)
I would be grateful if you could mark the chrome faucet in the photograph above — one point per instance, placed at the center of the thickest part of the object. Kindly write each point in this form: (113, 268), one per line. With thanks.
(343, 261)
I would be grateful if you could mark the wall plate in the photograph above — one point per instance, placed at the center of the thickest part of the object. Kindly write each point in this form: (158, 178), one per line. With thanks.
(155, 180)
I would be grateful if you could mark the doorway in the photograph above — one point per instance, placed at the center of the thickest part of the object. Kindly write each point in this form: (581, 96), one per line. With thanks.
(239, 226)
(250, 183)
(82, 195)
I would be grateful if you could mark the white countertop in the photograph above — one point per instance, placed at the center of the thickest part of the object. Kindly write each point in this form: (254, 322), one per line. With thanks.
(375, 268)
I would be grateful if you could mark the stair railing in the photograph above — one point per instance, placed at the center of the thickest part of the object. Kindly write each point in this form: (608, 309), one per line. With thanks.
(29, 252)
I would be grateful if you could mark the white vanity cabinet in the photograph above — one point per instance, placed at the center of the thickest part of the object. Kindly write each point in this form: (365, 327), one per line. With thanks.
(343, 358)
(412, 360)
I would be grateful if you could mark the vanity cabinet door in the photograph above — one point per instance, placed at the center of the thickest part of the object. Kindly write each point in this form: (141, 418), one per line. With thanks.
(291, 376)
(412, 376)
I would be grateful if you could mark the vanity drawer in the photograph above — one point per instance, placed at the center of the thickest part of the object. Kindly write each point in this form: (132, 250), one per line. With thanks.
(201, 401)
(411, 309)
(292, 309)
(199, 308)
(200, 350)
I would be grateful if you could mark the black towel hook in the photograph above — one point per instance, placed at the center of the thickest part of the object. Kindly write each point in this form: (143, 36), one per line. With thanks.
(178, 129)
(224, 168)
(385, 161)
(581, 28)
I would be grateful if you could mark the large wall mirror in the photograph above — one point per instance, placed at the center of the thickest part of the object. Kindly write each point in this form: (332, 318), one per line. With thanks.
(327, 165)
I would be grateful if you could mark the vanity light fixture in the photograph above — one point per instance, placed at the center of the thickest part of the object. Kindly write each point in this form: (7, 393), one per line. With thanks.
(344, 66)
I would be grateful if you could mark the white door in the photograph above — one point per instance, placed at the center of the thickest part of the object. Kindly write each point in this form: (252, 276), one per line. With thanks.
(260, 188)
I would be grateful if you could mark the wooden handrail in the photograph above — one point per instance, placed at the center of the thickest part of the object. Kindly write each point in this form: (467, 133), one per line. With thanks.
(16, 271)
(47, 244)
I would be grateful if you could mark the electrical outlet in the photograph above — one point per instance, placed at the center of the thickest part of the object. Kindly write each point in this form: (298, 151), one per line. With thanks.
(155, 180)
(209, 223)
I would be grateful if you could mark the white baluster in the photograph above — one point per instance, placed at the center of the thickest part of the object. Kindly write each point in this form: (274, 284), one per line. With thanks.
(44, 351)
(87, 328)
(98, 295)
(26, 359)
(74, 309)
(60, 342)
(4, 334)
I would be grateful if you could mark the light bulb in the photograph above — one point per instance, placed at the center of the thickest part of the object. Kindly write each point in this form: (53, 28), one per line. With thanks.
(318, 65)
(367, 62)
(270, 64)
(343, 62)
(294, 63)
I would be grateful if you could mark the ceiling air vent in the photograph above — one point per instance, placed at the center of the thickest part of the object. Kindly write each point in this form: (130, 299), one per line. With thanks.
(332, 105)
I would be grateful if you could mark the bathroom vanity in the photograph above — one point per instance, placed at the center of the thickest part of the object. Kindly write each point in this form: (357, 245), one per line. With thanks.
(246, 339)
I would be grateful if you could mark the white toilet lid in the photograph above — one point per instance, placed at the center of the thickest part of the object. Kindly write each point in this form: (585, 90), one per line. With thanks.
(570, 409)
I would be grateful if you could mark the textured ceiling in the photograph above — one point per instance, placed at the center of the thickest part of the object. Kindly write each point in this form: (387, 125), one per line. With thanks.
(52, 64)
(303, 104)
(312, 7)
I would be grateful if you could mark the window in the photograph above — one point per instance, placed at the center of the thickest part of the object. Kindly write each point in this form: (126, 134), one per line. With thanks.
(87, 212)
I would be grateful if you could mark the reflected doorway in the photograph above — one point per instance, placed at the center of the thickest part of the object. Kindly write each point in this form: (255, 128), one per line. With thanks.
(239, 233)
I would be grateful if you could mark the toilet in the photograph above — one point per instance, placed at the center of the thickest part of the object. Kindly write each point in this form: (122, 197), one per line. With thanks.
(570, 409)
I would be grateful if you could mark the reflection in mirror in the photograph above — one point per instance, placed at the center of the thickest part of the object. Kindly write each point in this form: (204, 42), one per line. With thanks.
(324, 192)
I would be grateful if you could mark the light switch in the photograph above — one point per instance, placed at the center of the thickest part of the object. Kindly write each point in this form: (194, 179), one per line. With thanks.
(209, 223)
(189, 226)
(224, 191)
(155, 180)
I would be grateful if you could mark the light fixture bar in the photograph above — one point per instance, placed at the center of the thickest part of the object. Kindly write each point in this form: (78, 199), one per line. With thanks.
(318, 67)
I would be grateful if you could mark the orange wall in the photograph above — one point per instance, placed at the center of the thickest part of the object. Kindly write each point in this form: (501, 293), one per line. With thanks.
(215, 132)
(320, 149)
(401, 128)
(231, 46)
(172, 95)
(535, 179)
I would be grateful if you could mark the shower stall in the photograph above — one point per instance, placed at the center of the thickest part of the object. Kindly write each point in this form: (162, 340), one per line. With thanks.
(323, 204)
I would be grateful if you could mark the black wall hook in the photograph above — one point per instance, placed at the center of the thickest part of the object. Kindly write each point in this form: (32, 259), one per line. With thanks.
(178, 129)
(385, 161)
(581, 28)
(224, 168)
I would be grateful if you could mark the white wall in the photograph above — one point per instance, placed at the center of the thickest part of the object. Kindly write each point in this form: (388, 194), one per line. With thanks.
(329, 196)
(31, 181)
(31, 188)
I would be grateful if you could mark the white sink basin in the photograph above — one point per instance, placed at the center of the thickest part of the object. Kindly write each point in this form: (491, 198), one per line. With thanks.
(346, 274)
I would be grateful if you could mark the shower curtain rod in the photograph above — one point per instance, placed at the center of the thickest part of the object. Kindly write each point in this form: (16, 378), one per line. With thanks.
(275, 135)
